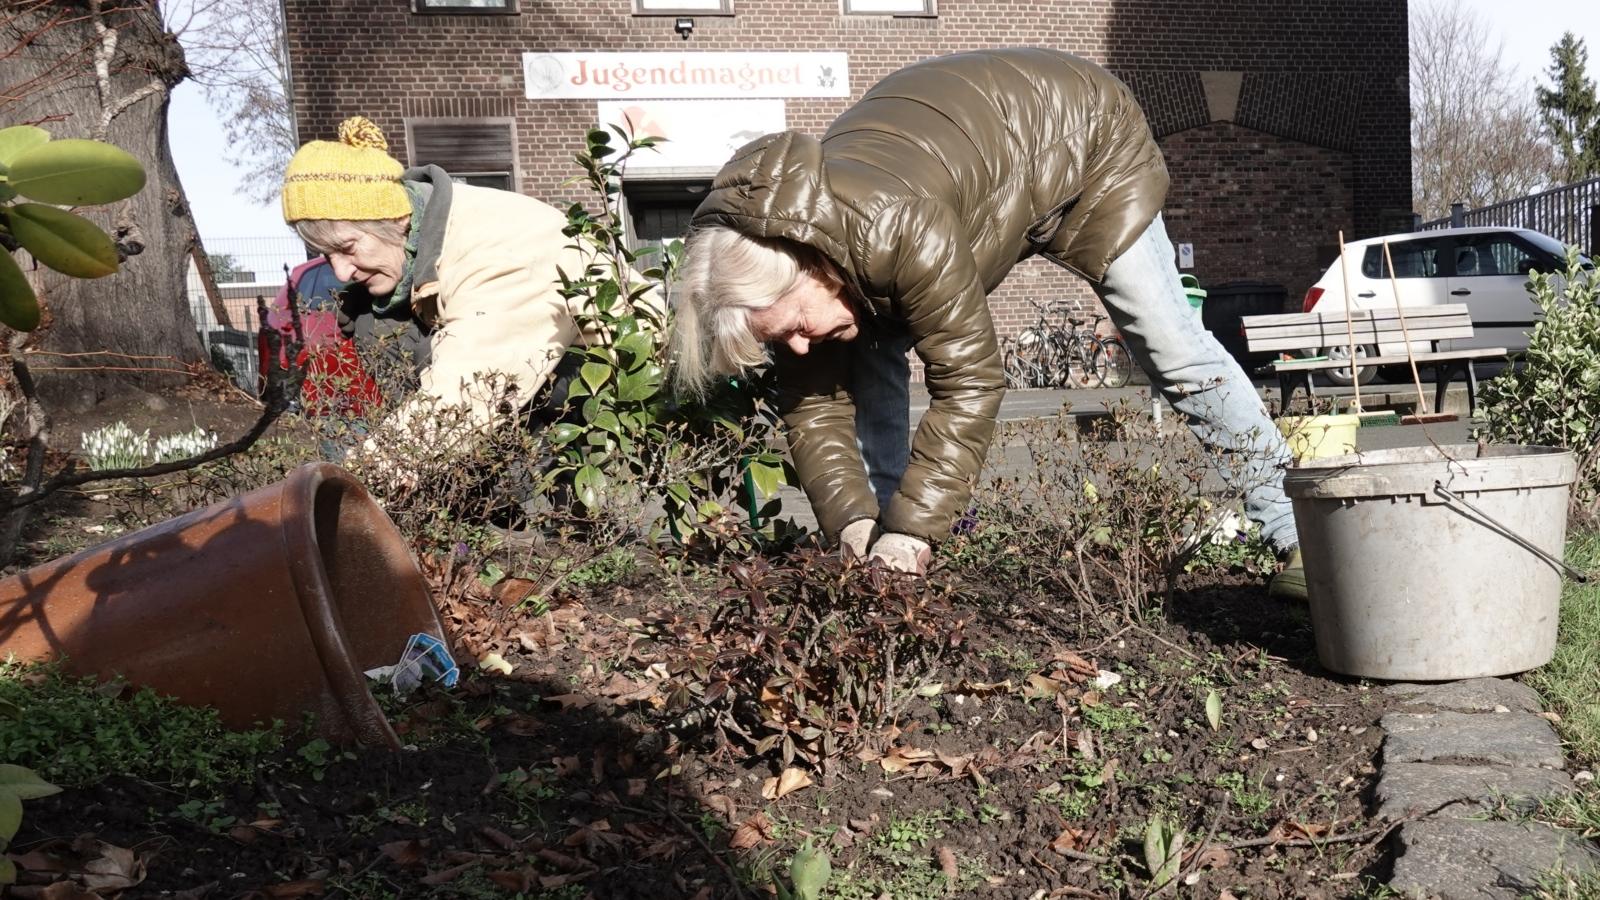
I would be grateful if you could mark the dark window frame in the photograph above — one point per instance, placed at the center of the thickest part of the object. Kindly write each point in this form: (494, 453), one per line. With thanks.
(421, 8)
(930, 10)
(508, 122)
(724, 8)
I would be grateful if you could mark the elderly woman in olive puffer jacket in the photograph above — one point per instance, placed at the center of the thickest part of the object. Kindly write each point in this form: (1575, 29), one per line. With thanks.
(889, 233)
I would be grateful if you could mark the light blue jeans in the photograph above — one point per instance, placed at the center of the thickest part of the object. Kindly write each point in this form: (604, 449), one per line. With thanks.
(1145, 299)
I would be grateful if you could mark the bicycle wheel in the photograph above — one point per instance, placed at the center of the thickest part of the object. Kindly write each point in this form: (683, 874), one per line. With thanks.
(1080, 352)
(1113, 363)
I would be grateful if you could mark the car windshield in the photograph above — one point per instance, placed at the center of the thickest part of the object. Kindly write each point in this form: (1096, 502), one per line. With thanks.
(1553, 247)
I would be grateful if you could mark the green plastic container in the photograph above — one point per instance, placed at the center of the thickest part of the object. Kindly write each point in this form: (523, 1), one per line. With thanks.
(1195, 293)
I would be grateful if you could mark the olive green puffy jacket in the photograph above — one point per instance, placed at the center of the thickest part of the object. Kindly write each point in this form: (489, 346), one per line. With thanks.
(925, 194)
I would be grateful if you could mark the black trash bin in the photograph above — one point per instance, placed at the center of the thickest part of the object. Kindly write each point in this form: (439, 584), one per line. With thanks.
(1226, 304)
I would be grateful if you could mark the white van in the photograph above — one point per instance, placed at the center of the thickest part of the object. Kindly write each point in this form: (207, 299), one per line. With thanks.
(1485, 268)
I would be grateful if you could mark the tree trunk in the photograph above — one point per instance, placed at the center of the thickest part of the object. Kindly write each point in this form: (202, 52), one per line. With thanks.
(138, 318)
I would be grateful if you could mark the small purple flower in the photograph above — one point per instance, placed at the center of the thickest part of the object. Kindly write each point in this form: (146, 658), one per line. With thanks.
(461, 550)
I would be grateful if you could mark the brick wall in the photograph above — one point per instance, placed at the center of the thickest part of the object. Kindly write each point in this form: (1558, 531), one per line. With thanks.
(1318, 138)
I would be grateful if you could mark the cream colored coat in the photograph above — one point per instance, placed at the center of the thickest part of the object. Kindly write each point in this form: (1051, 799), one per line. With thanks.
(496, 306)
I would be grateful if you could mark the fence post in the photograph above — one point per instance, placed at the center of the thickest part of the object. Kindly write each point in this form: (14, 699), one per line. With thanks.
(1594, 231)
(1458, 215)
(1416, 221)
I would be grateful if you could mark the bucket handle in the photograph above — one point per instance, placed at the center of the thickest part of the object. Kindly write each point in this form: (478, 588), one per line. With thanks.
(1575, 574)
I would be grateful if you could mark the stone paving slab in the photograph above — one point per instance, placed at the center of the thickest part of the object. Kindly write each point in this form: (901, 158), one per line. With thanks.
(1454, 859)
(1406, 788)
(1512, 739)
(1472, 695)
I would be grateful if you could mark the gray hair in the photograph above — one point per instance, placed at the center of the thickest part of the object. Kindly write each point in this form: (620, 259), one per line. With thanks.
(727, 275)
(322, 235)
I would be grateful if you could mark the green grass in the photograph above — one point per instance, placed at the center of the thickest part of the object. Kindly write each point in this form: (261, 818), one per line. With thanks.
(1570, 683)
(74, 732)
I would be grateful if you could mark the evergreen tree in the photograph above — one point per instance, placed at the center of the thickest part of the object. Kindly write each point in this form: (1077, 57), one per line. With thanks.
(1570, 111)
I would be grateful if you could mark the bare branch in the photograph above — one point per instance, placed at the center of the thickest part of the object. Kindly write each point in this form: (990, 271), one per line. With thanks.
(1475, 137)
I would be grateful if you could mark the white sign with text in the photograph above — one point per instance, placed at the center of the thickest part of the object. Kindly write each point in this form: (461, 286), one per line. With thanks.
(699, 133)
(598, 76)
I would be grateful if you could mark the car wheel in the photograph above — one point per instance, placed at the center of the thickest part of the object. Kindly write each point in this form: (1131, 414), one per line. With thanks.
(1341, 377)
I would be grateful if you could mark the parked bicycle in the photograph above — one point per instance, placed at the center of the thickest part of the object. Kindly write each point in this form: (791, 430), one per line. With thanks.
(1057, 345)
(1036, 357)
(1113, 364)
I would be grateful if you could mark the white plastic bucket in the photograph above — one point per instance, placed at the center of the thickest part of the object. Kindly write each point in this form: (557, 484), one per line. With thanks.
(1408, 584)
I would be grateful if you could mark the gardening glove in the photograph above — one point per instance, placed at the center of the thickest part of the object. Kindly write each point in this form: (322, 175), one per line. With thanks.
(856, 538)
(903, 553)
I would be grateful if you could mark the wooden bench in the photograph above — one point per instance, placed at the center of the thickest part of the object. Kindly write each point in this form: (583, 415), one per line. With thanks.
(1315, 332)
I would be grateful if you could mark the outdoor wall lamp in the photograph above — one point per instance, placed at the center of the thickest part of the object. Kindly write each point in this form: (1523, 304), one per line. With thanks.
(684, 27)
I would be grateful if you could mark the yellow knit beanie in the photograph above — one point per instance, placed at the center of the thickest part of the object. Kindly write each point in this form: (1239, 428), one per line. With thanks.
(353, 179)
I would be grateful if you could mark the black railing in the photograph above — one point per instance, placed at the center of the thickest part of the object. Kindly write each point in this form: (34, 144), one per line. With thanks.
(1570, 214)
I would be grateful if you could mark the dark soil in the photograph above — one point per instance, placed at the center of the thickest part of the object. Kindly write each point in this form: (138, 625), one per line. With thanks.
(1020, 778)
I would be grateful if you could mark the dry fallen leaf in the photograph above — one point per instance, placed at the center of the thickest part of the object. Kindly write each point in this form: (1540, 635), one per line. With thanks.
(947, 864)
(447, 875)
(116, 869)
(1041, 687)
(721, 804)
(788, 782)
(752, 832)
(1214, 858)
(65, 890)
(1081, 668)
(900, 758)
(403, 853)
(511, 880)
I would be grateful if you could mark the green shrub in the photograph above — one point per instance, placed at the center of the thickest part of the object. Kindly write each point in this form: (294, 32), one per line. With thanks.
(1553, 398)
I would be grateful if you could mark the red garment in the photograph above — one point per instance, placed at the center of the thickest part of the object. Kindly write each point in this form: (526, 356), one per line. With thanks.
(335, 384)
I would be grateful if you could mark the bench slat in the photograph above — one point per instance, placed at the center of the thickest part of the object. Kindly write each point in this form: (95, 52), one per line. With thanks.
(1341, 339)
(1391, 360)
(1359, 328)
(1413, 313)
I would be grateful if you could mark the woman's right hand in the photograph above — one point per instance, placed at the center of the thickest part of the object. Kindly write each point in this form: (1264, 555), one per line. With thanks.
(856, 538)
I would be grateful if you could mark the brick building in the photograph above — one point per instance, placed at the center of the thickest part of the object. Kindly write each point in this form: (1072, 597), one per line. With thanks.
(1282, 121)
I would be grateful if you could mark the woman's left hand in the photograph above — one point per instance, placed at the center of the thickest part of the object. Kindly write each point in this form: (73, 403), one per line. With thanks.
(903, 553)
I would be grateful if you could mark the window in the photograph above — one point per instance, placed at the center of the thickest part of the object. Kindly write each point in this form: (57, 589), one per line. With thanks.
(891, 7)
(480, 152)
(659, 211)
(682, 7)
(1412, 259)
(1494, 254)
(491, 7)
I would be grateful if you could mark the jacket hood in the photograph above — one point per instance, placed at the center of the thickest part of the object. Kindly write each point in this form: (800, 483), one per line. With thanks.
(776, 187)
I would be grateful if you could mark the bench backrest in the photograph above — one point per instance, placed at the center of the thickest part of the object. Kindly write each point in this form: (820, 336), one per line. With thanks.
(1315, 330)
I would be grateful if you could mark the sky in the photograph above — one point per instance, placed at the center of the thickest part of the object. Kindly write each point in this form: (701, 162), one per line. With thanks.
(1526, 29)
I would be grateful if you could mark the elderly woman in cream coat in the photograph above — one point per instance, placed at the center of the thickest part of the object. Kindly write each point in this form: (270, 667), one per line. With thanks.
(467, 279)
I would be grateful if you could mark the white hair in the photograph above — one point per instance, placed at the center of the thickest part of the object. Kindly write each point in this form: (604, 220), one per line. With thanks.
(322, 235)
(726, 276)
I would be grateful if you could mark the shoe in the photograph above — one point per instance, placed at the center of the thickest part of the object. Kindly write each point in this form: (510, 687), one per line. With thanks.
(1290, 582)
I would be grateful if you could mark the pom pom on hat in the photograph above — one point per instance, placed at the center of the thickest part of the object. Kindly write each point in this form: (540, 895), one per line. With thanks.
(352, 179)
(360, 131)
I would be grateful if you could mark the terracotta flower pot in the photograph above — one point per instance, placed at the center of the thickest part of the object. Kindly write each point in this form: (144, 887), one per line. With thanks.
(269, 605)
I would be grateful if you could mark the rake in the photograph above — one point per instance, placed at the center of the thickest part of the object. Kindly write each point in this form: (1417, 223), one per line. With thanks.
(1376, 418)
(1419, 417)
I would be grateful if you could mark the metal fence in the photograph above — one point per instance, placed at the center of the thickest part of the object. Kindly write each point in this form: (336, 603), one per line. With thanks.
(244, 268)
(1570, 214)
